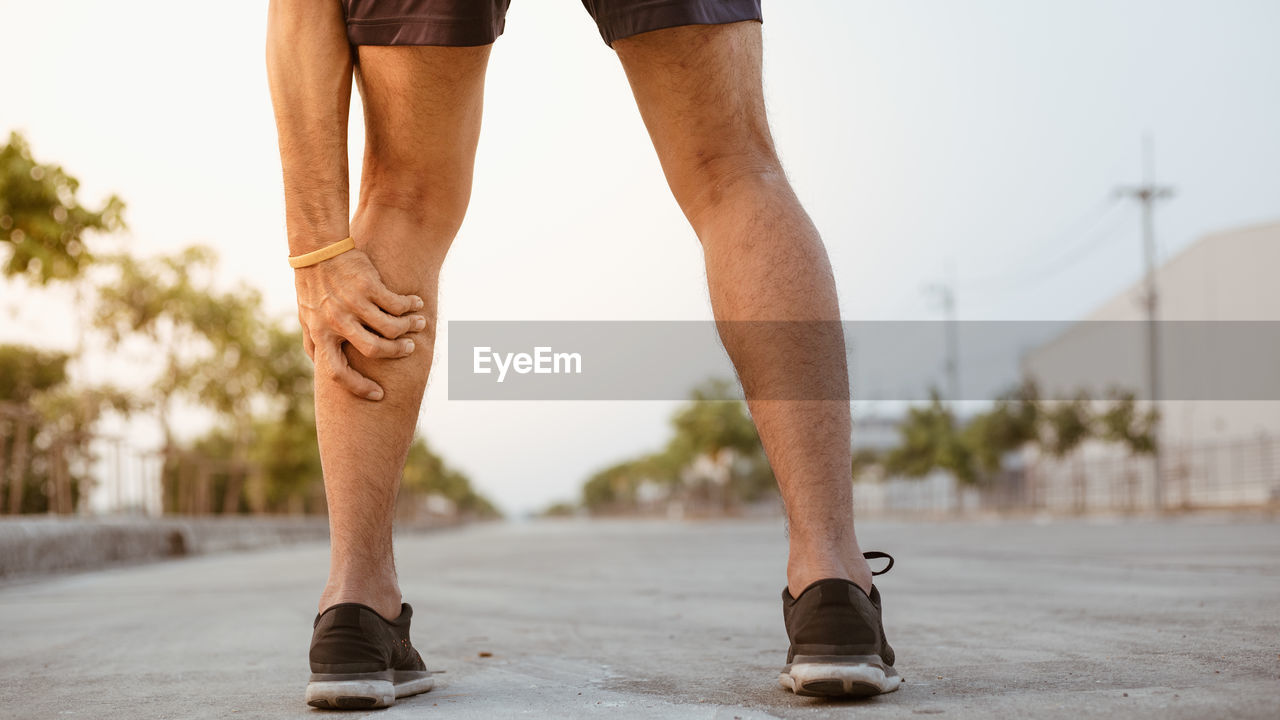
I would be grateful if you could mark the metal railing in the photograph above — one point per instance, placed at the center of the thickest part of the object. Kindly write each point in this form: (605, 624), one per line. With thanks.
(1225, 475)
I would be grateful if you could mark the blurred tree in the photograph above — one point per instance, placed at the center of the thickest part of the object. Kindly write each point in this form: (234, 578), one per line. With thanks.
(931, 439)
(715, 424)
(1069, 424)
(975, 450)
(217, 349)
(47, 428)
(286, 453)
(283, 450)
(42, 220)
(1013, 422)
(254, 371)
(713, 420)
(714, 427)
(69, 418)
(283, 446)
(1122, 424)
(24, 373)
(425, 473)
(282, 464)
(560, 509)
(156, 299)
(864, 459)
(613, 489)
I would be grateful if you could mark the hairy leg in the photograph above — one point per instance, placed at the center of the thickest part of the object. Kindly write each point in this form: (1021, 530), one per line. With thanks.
(422, 109)
(699, 91)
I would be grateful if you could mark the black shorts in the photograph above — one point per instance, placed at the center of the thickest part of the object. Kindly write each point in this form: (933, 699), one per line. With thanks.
(480, 22)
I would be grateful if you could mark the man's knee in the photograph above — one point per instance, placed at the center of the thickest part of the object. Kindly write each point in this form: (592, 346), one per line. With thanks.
(711, 178)
(436, 204)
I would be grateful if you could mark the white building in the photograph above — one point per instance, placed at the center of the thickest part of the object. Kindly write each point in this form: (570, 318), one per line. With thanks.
(1216, 451)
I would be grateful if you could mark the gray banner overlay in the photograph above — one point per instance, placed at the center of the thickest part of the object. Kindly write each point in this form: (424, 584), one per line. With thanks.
(886, 360)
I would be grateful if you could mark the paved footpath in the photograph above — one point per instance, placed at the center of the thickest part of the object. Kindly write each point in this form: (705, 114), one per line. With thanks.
(579, 619)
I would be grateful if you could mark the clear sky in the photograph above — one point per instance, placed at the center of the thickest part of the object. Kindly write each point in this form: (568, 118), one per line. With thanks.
(985, 135)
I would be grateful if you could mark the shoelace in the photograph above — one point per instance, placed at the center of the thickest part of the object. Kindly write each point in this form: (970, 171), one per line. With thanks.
(877, 555)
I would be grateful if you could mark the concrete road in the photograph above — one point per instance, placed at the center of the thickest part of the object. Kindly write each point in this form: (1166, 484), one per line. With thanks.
(657, 620)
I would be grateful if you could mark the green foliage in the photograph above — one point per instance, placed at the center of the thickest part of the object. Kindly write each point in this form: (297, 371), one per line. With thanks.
(714, 423)
(27, 447)
(150, 296)
(218, 350)
(26, 374)
(1013, 422)
(560, 509)
(286, 453)
(864, 459)
(25, 371)
(156, 299)
(218, 347)
(426, 473)
(931, 439)
(615, 486)
(74, 411)
(46, 427)
(283, 449)
(1069, 424)
(42, 220)
(1122, 424)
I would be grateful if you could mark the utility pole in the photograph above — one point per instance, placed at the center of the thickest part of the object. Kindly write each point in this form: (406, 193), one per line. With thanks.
(1148, 193)
(945, 292)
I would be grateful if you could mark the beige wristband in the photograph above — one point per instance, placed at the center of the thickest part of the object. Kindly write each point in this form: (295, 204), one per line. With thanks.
(324, 253)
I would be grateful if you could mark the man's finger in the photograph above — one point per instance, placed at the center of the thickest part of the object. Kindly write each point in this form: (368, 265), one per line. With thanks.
(345, 375)
(394, 303)
(372, 346)
(390, 326)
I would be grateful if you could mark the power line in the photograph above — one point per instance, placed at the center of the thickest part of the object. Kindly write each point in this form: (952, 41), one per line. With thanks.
(1086, 244)
(1075, 255)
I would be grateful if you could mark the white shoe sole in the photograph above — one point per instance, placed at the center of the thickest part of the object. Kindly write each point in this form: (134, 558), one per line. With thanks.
(361, 694)
(833, 680)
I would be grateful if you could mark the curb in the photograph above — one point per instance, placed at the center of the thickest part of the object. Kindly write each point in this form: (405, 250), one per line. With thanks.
(53, 545)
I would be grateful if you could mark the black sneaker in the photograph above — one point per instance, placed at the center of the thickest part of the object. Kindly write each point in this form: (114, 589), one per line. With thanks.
(359, 660)
(838, 647)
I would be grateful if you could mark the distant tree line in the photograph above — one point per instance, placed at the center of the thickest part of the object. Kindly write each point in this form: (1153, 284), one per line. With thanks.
(714, 462)
(976, 449)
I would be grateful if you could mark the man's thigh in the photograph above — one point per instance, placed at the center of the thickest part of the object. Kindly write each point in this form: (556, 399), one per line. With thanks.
(422, 106)
(618, 19)
(700, 93)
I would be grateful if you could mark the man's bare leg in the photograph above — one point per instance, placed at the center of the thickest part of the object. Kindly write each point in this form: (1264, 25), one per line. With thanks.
(699, 91)
(422, 108)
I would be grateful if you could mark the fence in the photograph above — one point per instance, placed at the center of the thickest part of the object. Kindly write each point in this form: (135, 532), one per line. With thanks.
(47, 471)
(1096, 479)
(40, 471)
(52, 468)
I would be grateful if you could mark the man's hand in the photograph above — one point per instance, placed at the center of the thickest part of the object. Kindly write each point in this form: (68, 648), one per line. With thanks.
(343, 300)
